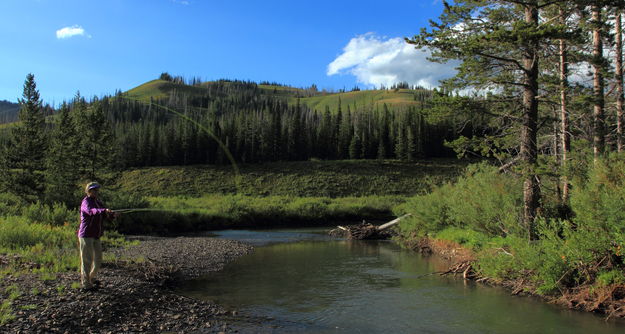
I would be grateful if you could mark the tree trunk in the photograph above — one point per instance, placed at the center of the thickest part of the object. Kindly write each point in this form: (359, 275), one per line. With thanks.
(564, 115)
(556, 149)
(531, 190)
(620, 99)
(598, 118)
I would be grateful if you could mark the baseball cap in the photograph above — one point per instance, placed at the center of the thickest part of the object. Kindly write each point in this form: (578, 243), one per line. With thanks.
(92, 185)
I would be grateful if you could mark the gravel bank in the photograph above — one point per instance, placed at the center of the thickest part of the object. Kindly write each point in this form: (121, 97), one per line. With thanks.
(135, 295)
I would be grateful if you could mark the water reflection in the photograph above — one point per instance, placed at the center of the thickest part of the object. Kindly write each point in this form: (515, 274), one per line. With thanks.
(376, 287)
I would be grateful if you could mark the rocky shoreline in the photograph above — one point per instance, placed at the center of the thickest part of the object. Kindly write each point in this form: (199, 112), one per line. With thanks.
(135, 295)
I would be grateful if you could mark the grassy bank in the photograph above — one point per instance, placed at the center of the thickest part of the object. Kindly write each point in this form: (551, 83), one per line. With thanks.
(305, 193)
(346, 178)
(184, 214)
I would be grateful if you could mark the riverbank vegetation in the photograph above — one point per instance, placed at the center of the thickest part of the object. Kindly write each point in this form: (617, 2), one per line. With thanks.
(579, 248)
(548, 218)
(172, 215)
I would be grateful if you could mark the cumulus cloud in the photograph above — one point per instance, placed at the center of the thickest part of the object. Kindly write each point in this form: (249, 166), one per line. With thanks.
(72, 31)
(376, 61)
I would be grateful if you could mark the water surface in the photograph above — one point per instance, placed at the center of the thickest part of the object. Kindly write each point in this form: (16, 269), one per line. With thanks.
(311, 283)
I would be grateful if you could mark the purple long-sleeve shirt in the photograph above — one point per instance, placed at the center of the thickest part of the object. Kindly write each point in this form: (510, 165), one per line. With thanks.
(92, 213)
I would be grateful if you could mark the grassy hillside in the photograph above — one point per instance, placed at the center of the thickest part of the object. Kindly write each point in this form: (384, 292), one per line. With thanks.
(364, 98)
(301, 179)
(357, 99)
(158, 89)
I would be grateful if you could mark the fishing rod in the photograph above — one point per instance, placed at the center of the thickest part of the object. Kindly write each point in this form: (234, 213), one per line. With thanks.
(137, 210)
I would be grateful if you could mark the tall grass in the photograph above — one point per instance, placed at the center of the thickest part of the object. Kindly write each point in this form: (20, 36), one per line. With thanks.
(184, 214)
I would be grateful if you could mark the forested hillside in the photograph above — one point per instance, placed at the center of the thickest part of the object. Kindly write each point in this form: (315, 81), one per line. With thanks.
(8, 111)
(170, 121)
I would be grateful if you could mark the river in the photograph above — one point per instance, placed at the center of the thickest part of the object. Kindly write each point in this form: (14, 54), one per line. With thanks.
(308, 282)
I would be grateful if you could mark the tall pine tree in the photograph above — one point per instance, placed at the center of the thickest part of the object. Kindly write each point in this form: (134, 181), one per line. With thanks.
(62, 176)
(498, 45)
(24, 163)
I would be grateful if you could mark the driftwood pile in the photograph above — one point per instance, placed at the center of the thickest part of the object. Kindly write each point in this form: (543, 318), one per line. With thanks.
(366, 230)
(465, 268)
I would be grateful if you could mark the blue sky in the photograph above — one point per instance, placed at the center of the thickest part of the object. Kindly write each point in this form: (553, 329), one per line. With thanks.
(100, 46)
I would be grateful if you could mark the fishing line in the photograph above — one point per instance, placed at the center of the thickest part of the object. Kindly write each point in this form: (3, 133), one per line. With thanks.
(237, 174)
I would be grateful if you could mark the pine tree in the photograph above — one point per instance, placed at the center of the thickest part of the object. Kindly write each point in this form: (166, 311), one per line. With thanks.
(355, 148)
(598, 64)
(564, 112)
(62, 178)
(96, 149)
(384, 143)
(25, 153)
(345, 134)
(400, 144)
(499, 45)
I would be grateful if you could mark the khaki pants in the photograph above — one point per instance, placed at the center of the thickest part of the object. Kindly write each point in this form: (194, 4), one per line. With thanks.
(90, 260)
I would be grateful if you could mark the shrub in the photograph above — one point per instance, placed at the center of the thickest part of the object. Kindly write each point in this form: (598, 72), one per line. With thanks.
(468, 238)
(56, 214)
(598, 202)
(487, 201)
(482, 200)
(430, 212)
(10, 204)
(16, 233)
(614, 276)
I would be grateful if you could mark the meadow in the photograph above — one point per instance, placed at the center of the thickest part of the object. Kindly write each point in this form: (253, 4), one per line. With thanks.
(318, 178)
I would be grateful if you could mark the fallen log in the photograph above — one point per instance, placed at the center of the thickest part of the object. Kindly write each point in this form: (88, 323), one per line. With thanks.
(366, 230)
(392, 222)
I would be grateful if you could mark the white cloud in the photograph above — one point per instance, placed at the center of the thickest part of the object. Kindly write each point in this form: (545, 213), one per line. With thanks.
(182, 2)
(72, 31)
(376, 61)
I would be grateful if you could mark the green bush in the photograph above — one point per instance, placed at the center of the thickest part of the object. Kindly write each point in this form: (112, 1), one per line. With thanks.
(56, 214)
(487, 200)
(598, 202)
(482, 200)
(430, 213)
(614, 276)
(10, 204)
(17, 233)
(468, 238)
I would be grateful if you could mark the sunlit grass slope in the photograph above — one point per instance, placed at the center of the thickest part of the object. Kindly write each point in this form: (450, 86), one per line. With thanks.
(362, 99)
(158, 89)
(301, 179)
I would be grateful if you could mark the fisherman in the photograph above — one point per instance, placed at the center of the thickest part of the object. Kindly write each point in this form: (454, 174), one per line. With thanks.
(92, 213)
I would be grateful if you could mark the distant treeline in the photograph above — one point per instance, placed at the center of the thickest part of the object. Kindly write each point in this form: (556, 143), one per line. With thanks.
(259, 128)
(256, 127)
